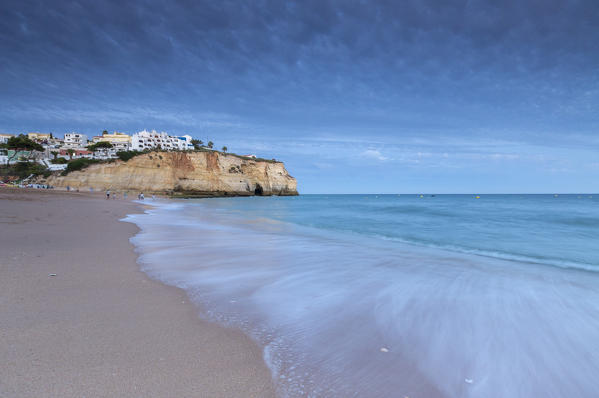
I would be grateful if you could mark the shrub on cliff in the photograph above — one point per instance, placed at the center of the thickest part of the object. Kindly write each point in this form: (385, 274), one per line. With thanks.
(253, 159)
(59, 161)
(126, 155)
(78, 164)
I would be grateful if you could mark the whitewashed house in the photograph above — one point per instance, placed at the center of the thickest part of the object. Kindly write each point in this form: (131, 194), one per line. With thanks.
(4, 138)
(75, 140)
(155, 140)
(184, 142)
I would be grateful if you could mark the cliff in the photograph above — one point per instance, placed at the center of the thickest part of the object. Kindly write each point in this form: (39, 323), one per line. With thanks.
(185, 174)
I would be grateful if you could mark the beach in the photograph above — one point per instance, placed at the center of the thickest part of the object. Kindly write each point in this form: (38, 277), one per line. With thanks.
(78, 317)
(315, 295)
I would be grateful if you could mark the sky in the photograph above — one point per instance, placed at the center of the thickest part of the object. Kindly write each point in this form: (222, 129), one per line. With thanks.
(409, 96)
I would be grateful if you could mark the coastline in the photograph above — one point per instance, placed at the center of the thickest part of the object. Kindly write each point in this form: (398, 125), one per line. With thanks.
(101, 327)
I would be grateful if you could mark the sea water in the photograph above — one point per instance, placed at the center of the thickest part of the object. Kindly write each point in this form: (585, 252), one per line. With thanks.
(395, 296)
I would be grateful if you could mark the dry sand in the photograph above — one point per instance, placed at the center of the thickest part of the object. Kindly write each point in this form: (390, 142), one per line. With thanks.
(100, 327)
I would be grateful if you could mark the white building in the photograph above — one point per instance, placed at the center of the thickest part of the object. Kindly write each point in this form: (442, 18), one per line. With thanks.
(75, 140)
(184, 142)
(119, 141)
(4, 138)
(56, 167)
(153, 139)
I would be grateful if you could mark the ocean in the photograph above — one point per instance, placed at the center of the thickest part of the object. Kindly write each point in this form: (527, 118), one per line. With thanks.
(395, 295)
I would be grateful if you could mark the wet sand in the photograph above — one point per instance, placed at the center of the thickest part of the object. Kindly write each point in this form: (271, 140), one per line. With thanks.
(100, 327)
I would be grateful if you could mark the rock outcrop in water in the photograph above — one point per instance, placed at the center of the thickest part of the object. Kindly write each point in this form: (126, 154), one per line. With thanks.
(185, 174)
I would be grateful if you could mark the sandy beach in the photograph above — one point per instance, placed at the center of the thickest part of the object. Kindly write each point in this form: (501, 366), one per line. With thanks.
(100, 327)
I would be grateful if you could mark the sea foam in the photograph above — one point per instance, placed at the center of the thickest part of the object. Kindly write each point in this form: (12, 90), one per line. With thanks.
(343, 314)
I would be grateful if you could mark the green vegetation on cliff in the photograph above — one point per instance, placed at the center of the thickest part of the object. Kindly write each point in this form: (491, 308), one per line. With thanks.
(79, 164)
(126, 155)
(22, 170)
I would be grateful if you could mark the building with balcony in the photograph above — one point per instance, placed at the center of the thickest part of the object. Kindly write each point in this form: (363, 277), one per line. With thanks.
(75, 140)
(154, 140)
(184, 142)
(40, 137)
(120, 141)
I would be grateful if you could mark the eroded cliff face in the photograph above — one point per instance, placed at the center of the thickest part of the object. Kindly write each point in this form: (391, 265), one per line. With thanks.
(185, 173)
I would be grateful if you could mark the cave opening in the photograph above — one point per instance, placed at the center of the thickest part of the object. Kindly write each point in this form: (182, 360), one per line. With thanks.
(258, 191)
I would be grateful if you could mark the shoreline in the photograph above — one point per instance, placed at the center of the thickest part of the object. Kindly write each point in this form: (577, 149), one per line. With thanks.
(100, 326)
(344, 314)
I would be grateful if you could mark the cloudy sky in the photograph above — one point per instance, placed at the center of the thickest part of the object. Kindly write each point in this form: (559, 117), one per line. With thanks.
(355, 96)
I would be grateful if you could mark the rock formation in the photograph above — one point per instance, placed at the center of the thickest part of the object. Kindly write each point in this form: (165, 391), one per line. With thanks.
(185, 174)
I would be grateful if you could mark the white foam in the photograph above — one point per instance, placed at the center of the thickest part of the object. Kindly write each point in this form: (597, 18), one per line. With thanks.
(323, 307)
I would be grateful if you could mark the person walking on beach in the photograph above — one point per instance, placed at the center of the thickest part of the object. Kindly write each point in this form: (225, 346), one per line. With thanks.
(141, 196)
(108, 194)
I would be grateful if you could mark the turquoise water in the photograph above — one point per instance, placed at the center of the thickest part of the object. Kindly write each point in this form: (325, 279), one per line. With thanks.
(558, 230)
(393, 296)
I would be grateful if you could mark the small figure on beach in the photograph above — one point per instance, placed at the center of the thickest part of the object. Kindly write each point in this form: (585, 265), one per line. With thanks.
(141, 196)
(68, 188)
(107, 194)
(125, 195)
(153, 197)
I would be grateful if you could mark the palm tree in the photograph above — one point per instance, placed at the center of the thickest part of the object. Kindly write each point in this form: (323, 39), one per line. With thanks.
(196, 143)
(210, 144)
(70, 152)
(224, 149)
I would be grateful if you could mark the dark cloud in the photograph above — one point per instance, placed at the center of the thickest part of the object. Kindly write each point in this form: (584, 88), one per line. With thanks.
(471, 64)
(93, 30)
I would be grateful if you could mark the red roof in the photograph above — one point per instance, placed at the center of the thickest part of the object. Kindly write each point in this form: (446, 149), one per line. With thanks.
(78, 152)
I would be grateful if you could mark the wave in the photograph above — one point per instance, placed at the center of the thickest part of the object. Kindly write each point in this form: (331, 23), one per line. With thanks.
(360, 315)
(500, 255)
(363, 223)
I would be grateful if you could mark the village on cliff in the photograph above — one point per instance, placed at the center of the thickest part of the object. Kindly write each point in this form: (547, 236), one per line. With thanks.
(54, 153)
(163, 165)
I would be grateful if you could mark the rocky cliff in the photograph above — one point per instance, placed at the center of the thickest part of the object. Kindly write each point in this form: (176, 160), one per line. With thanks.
(186, 174)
